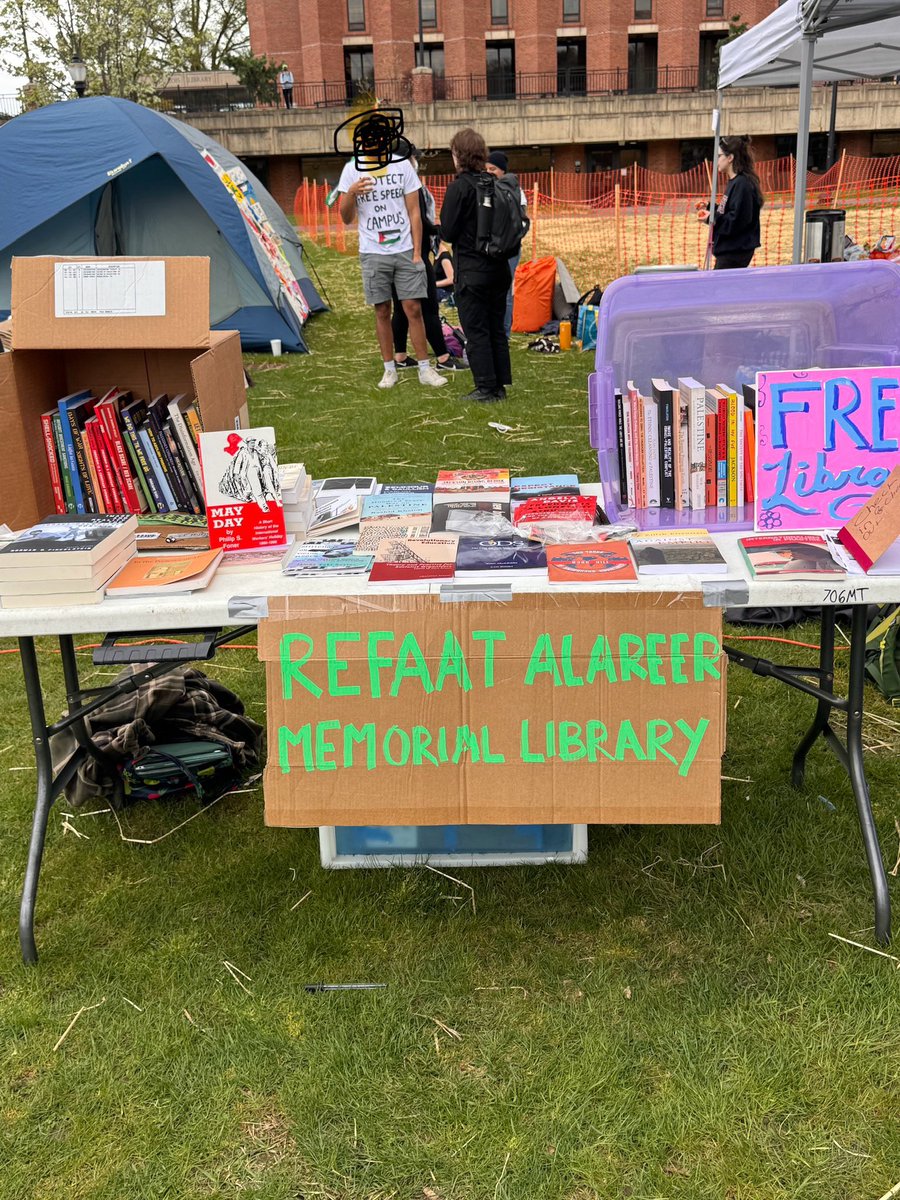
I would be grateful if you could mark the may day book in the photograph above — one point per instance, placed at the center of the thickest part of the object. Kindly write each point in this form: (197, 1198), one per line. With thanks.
(241, 489)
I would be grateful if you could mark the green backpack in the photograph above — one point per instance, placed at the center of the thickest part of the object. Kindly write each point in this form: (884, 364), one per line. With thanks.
(883, 653)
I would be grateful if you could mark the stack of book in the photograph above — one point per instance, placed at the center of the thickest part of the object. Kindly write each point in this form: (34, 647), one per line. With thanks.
(686, 447)
(118, 454)
(65, 560)
(296, 498)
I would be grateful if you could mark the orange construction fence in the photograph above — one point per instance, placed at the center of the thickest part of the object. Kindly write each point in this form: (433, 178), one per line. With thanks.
(605, 224)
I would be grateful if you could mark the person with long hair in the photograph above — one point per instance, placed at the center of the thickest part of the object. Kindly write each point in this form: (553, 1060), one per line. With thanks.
(736, 227)
(481, 283)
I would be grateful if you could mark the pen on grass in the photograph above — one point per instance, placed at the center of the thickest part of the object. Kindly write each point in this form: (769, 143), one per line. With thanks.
(342, 987)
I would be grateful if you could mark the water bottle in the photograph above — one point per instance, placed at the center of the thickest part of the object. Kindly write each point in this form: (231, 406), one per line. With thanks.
(565, 335)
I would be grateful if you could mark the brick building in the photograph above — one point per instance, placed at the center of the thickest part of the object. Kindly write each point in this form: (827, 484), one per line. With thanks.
(578, 85)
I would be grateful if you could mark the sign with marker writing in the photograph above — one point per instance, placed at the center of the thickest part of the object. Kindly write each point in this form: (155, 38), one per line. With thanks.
(826, 442)
(401, 710)
(876, 526)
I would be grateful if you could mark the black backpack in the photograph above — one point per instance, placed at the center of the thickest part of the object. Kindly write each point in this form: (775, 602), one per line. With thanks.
(502, 223)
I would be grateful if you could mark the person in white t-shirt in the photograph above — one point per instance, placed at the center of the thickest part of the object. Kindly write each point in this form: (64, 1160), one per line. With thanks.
(385, 202)
(286, 83)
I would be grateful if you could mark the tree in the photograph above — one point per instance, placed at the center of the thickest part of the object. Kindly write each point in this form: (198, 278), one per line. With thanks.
(200, 35)
(130, 47)
(258, 74)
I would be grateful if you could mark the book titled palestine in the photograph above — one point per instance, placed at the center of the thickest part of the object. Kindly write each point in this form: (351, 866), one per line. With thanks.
(414, 560)
(241, 489)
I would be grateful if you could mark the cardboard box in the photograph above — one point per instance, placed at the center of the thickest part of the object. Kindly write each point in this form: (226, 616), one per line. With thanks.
(38, 295)
(32, 380)
(550, 708)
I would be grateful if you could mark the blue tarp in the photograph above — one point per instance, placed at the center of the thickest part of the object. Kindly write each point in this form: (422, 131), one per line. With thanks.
(105, 176)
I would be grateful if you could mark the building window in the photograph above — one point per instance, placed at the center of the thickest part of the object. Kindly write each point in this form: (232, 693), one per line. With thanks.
(709, 59)
(428, 9)
(642, 63)
(359, 71)
(715, 8)
(643, 10)
(500, 69)
(571, 59)
(571, 12)
(356, 15)
(499, 12)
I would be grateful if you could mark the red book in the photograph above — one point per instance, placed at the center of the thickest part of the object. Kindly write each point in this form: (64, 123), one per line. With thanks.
(98, 457)
(414, 560)
(241, 490)
(556, 508)
(710, 460)
(749, 456)
(106, 410)
(59, 497)
(591, 562)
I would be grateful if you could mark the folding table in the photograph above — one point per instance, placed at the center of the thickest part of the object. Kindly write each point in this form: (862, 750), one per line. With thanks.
(235, 601)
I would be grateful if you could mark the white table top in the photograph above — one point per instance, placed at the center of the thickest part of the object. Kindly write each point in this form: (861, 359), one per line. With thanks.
(239, 597)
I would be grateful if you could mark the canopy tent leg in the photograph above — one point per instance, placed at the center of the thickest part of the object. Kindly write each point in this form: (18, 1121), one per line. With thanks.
(807, 53)
(714, 176)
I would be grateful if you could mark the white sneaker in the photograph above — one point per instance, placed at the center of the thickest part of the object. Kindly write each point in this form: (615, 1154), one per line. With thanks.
(430, 377)
(388, 379)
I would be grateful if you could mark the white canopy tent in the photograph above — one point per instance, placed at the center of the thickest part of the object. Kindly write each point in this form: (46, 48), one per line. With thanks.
(807, 41)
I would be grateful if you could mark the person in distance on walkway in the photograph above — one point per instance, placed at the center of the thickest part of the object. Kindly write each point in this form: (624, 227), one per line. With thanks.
(286, 83)
(481, 283)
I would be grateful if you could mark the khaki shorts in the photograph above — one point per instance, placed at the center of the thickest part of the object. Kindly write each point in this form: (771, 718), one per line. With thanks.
(380, 271)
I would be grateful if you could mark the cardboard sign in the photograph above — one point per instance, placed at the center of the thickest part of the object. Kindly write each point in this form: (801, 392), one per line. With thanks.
(876, 526)
(826, 441)
(403, 710)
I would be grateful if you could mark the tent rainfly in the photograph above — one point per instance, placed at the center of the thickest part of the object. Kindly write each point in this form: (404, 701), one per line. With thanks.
(106, 177)
(807, 41)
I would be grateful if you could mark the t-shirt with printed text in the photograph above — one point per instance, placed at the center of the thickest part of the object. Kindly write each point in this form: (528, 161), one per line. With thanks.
(384, 226)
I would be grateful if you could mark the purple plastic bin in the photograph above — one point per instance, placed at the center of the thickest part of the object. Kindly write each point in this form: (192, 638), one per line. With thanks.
(723, 327)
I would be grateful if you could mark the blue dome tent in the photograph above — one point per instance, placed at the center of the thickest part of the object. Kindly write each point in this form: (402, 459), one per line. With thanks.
(102, 176)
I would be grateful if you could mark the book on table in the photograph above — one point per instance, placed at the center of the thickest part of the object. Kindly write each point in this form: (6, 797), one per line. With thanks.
(414, 560)
(373, 531)
(794, 556)
(488, 559)
(488, 484)
(66, 559)
(241, 491)
(165, 574)
(591, 563)
(471, 517)
(326, 556)
(677, 552)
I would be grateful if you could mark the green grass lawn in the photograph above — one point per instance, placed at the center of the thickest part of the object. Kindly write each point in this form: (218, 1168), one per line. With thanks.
(669, 1020)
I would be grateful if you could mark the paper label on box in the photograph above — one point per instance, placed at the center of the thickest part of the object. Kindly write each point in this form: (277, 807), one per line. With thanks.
(110, 289)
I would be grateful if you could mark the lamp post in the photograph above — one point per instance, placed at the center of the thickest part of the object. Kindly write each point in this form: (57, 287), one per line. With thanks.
(420, 55)
(78, 72)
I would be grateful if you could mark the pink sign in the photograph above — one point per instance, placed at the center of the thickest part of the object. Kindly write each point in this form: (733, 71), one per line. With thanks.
(825, 442)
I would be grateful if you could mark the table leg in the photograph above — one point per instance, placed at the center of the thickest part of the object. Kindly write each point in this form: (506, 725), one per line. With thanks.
(858, 627)
(43, 797)
(823, 708)
(79, 726)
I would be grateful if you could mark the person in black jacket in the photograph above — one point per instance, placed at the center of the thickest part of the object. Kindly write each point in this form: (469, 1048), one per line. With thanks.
(736, 227)
(481, 283)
